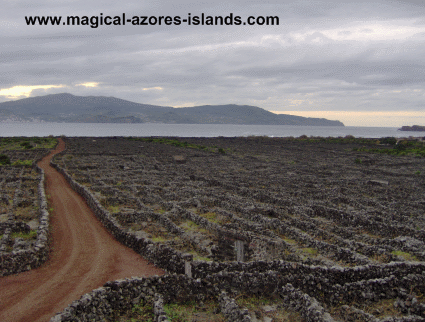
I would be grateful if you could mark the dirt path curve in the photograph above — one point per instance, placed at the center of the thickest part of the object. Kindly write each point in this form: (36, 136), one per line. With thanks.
(83, 257)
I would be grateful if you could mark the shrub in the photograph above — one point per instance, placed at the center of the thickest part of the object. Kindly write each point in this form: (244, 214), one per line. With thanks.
(388, 140)
(23, 162)
(26, 145)
(4, 159)
(400, 147)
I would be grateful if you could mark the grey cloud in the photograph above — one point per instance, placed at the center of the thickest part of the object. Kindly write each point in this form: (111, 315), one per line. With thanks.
(221, 64)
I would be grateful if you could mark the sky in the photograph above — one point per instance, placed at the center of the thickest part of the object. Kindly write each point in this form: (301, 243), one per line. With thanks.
(360, 62)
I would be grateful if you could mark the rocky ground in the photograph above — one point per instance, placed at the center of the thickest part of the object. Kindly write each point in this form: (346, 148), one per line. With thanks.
(330, 203)
(19, 203)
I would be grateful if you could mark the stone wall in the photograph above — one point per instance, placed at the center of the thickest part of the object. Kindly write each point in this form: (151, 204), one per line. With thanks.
(24, 260)
(302, 287)
(161, 255)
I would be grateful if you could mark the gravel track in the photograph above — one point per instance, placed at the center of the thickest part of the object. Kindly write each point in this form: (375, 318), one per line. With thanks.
(83, 257)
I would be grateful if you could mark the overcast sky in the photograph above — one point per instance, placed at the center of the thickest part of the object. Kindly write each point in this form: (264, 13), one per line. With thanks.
(362, 62)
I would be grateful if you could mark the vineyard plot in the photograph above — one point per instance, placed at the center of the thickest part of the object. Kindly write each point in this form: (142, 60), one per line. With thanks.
(318, 203)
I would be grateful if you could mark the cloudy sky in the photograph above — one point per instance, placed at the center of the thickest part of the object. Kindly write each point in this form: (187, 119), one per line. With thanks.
(361, 62)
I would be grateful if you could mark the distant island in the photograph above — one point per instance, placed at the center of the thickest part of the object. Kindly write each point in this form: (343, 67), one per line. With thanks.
(416, 128)
(101, 109)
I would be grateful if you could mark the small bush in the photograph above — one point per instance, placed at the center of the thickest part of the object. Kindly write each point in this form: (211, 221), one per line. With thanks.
(23, 162)
(400, 147)
(26, 145)
(358, 161)
(406, 256)
(388, 140)
(4, 159)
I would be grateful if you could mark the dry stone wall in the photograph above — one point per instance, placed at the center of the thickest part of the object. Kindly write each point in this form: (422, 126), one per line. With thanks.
(305, 224)
(20, 260)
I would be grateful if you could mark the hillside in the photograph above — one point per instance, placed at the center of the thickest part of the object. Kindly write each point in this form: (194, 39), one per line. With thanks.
(101, 109)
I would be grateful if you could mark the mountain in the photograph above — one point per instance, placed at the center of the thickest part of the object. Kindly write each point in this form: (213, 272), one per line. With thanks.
(100, 109)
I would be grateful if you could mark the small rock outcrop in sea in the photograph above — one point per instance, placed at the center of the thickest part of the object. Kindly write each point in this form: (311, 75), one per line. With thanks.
(417, 128)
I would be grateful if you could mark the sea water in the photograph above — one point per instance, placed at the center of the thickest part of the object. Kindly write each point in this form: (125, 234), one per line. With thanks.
(194, 130)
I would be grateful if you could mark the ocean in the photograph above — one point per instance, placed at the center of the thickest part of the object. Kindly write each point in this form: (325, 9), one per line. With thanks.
(194, 130)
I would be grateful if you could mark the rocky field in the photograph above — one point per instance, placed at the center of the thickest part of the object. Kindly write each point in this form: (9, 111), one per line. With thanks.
(19, 197)
(334, 222)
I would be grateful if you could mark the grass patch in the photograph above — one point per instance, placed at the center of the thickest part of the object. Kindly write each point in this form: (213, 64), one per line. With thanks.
(406, 256)
(27, 163)
(403, 147)
(25, 213)
(311, 251)
(211, 216)
(198, 257)
(139, 312)
(193, 311)
(31, 235)
(289, 240)
(113, 209)
(26, 143)
(192, 226)
(380, 309)
(252, 302)
(383, 258)
(183, 144)
(158, 239)
(262, 307)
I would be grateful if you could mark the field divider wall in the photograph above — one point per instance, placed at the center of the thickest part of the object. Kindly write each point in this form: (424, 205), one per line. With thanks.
(331, 285)
(25, 260)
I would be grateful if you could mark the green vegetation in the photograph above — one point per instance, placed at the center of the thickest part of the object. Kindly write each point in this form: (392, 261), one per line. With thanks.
(32, 234)
(349, 139)
(289, 241)
(211, 216)
(27, 163)
(139, 312)
(397, 147)
(192, 226)
(198, 257)
(4, 159)
(311, 251)
(380, 309)
(388, 140)
(252, 302)
(26, 143)
(178, 143)
(406, 256)
(358, 161)
(191, 311)
(403, 147)
(256, 307)
(158, 239)
(113, 209)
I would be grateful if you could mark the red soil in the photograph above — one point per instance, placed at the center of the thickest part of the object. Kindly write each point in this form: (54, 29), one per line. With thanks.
(83, 257)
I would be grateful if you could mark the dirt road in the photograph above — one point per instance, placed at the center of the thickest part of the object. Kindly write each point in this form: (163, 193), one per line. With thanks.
(83, 257)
